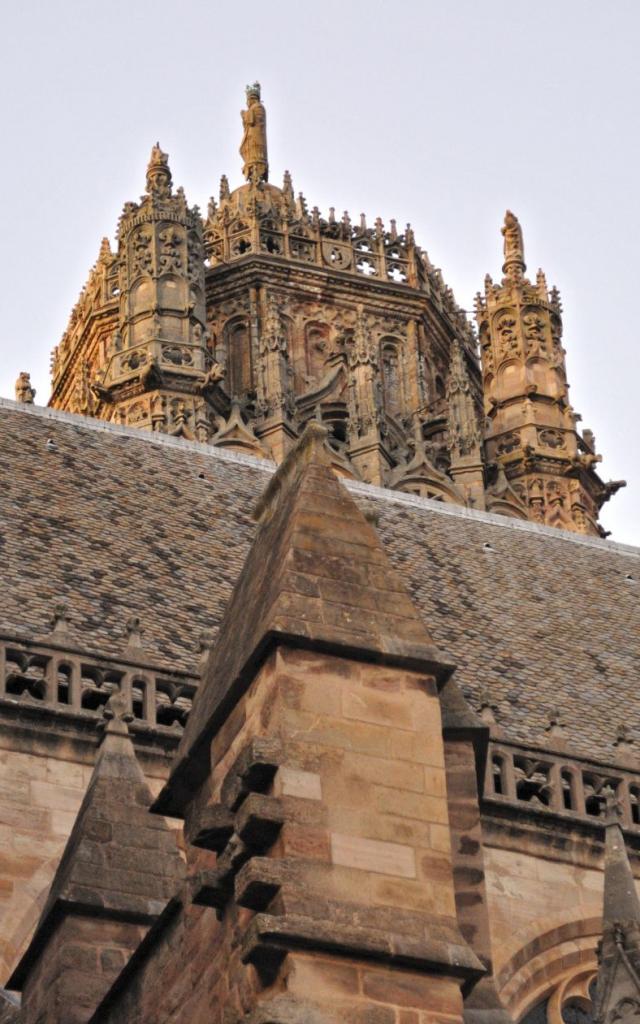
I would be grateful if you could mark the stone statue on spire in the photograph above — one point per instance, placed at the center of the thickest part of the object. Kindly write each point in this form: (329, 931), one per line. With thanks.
(253, 148)
(514, 265)
(158, 174)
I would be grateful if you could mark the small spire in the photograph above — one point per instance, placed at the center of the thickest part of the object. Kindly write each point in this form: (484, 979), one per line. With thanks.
(158, 174)
(302, 206)
(541, 283)
(105, 251)
(224, 188)
(363, 222)
(621, 901)
(514, 265)
(393, 231)
(24, 392)
(287, 186)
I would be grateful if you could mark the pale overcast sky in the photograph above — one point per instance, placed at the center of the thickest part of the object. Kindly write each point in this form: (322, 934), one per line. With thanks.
(439, 113)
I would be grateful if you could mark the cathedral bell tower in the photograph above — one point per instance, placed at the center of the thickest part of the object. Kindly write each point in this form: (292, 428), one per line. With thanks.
(539, 459)
(241, 328)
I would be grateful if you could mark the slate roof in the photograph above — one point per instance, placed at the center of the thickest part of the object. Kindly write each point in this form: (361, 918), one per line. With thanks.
(117, 522)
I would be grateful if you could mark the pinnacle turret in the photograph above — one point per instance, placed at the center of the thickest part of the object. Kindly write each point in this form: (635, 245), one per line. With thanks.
(531, 435)
(619, 955)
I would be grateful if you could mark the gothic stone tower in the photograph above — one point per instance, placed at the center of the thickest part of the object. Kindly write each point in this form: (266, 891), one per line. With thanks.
(543, 463)
(239, 330)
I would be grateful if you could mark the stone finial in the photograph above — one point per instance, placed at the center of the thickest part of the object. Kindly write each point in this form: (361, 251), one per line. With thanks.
(514, 265)
(253, 148)
(59, 621)
(205, 643)
(158, 173)
(287, 186)
(555, 723)
(117, 715)
(488, 707)
(133, 631)
(24, 392)
(624, 739)
(105, 253)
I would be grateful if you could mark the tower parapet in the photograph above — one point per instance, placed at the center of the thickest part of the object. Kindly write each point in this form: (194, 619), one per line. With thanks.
(544, 468)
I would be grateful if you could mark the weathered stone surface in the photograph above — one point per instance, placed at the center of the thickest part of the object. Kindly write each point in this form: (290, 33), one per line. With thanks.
(112, 882)
(304, 509)
(351, 867)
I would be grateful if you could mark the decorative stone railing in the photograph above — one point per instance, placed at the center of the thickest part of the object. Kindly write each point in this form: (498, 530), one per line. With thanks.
(57, 675)
(560, 784)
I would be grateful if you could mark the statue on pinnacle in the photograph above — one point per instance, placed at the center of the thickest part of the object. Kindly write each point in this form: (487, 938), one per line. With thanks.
(253, 148)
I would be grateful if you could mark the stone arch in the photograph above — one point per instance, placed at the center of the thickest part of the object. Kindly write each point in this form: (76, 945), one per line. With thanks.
(553, 967)
(504, 507)
(542, 376)
(391, 376)
(237, 348)
(141, 296)
(170, 292)
(509, 379)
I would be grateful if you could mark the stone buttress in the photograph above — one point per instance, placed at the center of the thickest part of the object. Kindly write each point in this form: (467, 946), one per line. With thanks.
(119, 869)
(618, 990)
(312, 782)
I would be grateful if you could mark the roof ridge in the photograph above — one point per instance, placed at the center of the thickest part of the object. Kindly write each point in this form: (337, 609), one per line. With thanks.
(355, 486)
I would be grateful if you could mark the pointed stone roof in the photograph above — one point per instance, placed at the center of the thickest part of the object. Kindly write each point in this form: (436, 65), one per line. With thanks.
(619, 972)
(317, 576)
(120, 861)
(621, 901)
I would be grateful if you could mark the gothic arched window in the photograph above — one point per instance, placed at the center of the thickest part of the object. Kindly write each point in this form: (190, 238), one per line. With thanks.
(238, 344)
(574, 1011)
(391, 377)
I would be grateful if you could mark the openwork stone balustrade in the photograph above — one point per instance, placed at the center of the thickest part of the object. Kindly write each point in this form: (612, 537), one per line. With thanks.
(59, 676)
(64, 678)
(561, 785)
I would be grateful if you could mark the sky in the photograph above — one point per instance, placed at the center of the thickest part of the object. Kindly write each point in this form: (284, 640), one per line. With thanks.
(442, 114)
